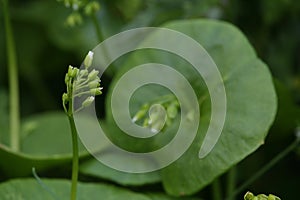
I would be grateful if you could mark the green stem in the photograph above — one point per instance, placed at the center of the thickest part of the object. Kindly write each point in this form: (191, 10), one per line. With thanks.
(112, 68)
(216, 190)
(265, 168)
(13, 81)
(230, 186)
(75, 161)
(97, 27)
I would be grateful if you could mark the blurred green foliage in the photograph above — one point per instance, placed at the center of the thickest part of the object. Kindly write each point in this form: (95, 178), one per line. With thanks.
(45, 45)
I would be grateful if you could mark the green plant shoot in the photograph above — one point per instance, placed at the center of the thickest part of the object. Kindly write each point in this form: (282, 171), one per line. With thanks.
(79, 82)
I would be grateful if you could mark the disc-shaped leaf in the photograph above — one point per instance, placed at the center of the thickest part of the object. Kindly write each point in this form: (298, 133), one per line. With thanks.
(251, 106)
(250, 96)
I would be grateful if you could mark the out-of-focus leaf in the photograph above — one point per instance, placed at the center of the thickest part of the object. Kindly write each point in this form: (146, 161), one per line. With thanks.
(165, 197)
(45, 142)
(79, 39)
(96, 169)
(29, 189)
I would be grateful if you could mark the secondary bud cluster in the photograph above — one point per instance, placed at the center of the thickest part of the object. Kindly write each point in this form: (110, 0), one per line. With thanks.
(75, 18)
(82, 83)
(161, 112)
(251, 196)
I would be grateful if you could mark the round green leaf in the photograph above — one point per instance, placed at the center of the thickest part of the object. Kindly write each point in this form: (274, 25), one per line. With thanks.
(251, 102)
(251, 106)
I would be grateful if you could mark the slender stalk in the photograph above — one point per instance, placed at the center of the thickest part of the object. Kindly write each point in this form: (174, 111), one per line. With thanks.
(216, 190)
(67, 99)
(14, 110)
(97, 27)
(75, 159)
(265, 168)
(111, 70)
(230, 186)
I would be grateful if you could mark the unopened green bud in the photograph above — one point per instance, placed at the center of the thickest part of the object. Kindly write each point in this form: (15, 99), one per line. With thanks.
(158, 117)
(155, 128)
(67, 78)
(94, 84)
(96, 91)
(146, 122)
(74, 19)
(172, 110)
(83, 72)
(88, 59)
(65, 98)
(262, 197)
(93, 75)
(273, 197)
(157, 113)
(139, 115)
(92, 8)
(88, 101)
(72, 71)
(249, 196)
(75, 71)
(157, 125)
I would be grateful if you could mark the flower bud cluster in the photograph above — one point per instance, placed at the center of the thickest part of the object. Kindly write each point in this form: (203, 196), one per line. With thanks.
(158, 116)
(75, 18)
(82, 82)
(251, 196)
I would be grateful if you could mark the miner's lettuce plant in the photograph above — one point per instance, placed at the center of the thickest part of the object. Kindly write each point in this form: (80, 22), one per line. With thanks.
(79, 83)
(49, 141)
